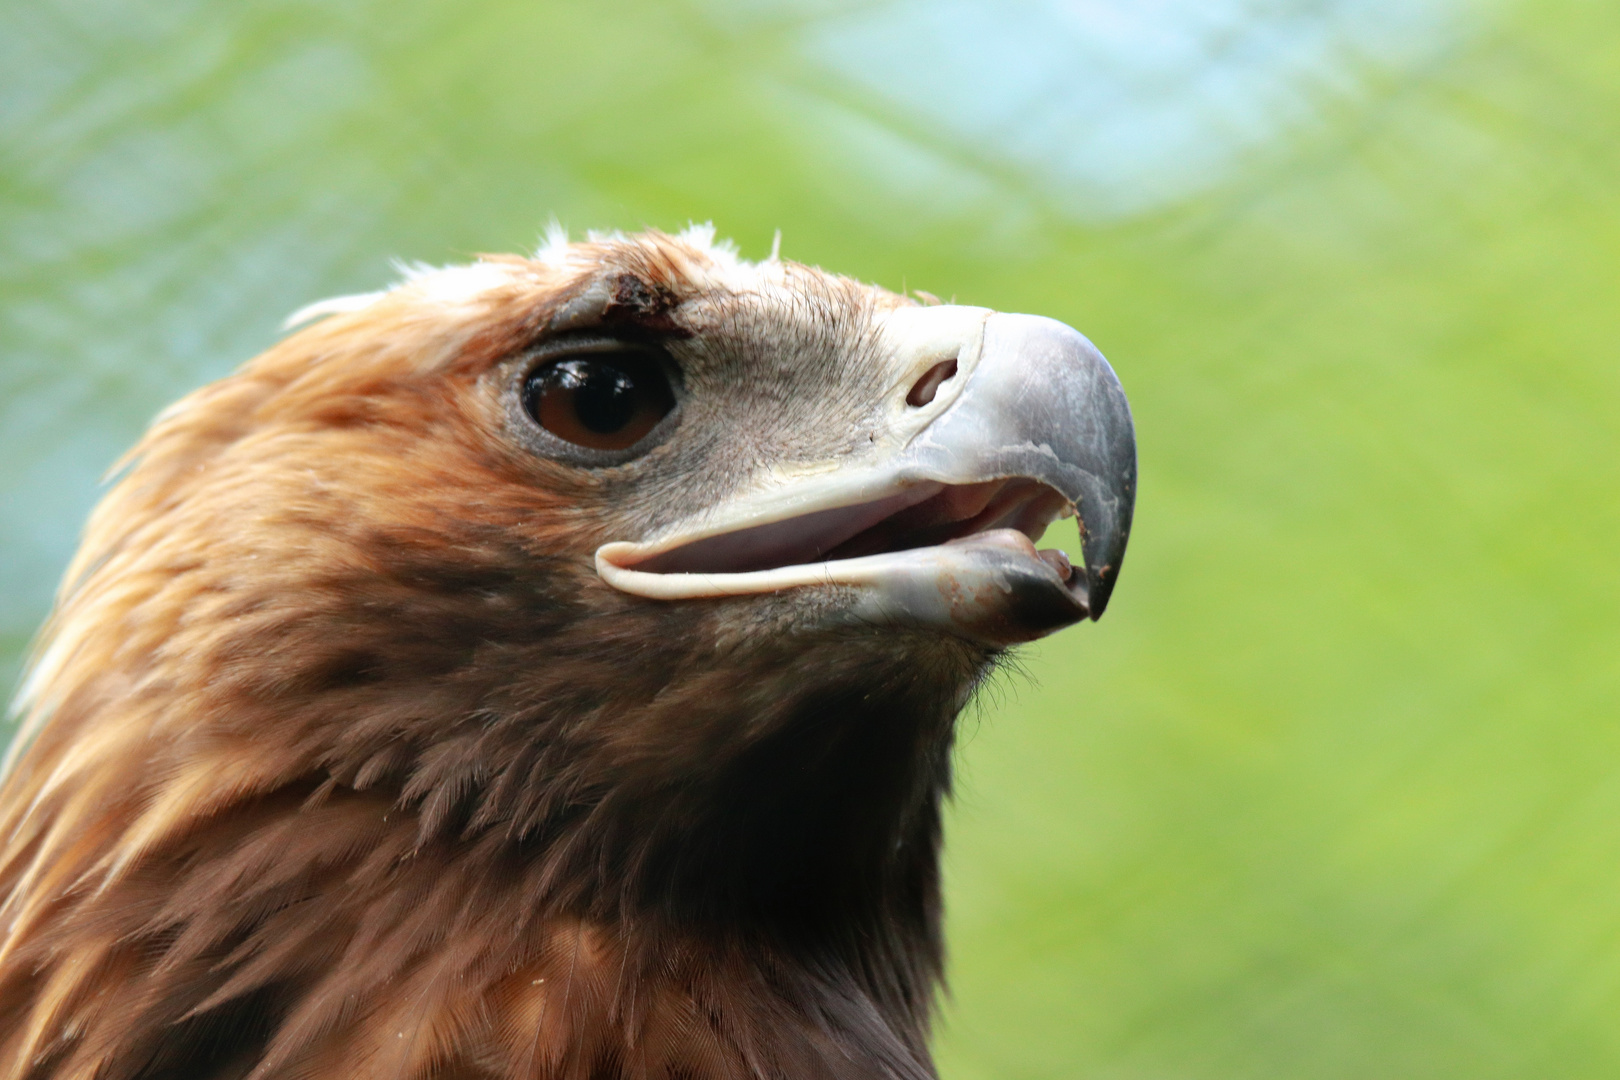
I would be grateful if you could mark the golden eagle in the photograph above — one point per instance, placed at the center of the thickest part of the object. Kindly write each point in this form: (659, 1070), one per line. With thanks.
(545, 668)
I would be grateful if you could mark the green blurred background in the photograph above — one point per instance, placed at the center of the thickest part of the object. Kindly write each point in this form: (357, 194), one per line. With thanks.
(1334, 790)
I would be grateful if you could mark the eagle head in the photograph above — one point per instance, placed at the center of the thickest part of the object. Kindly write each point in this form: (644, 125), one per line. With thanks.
(544, 667)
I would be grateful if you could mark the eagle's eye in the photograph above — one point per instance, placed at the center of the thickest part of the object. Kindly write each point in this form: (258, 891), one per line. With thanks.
(602, 401)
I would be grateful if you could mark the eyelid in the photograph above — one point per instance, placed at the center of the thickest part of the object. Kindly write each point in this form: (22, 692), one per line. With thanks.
(558, 349)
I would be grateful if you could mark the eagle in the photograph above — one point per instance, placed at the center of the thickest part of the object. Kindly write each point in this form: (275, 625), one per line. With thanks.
(546, 667)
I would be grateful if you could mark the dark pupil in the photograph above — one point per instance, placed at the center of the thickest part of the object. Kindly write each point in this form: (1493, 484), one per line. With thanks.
(604, 396)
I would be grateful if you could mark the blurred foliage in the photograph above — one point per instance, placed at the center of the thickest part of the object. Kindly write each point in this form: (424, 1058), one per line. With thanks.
(1334, 790)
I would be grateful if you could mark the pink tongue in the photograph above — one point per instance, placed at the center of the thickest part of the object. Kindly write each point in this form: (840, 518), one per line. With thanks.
(957, 503)
(1058, 561)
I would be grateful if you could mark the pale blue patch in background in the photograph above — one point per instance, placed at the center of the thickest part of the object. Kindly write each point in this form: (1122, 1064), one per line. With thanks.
(1114, 108)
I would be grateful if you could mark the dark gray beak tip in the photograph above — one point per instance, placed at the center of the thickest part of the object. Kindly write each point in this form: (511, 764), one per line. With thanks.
(1100, 583)
(1108, 499)
(1102, 587)
(1106, 529)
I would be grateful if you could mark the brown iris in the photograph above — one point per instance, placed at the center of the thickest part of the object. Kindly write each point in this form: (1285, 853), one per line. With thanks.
(608, 401)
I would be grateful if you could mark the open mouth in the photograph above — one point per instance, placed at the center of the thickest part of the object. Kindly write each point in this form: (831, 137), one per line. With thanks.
(924, 515)
(851, 544)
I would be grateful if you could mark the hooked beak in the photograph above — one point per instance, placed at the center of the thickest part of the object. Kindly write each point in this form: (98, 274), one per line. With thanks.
(1025, 422)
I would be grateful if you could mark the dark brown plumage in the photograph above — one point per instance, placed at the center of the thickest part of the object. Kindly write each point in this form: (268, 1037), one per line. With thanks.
(344, 760)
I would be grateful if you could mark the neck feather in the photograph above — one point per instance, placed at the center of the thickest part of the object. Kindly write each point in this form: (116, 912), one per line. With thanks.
(372, 808)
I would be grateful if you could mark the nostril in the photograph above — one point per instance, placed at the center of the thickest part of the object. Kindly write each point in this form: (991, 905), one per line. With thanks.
(927, 386)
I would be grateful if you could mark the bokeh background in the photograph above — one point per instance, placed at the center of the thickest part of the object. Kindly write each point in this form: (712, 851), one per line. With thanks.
(1334, 790)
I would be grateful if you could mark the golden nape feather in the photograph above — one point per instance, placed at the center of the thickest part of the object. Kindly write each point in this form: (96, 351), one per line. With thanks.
(543, 668)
